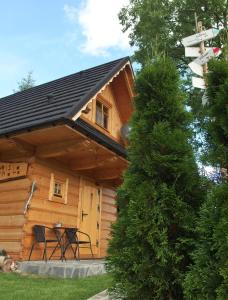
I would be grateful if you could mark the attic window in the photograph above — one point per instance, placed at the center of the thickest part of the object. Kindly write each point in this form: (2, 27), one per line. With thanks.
(102, 114)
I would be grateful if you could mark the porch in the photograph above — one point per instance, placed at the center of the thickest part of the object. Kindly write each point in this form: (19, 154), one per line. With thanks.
(65, 269)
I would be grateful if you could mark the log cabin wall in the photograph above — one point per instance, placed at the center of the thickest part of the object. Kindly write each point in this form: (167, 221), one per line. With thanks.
(49, 212)
(108, 216)
(108, 98)
(13, 197)
(46, 212)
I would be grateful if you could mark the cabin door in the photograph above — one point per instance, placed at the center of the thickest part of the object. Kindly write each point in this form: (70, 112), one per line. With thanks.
(90, 214)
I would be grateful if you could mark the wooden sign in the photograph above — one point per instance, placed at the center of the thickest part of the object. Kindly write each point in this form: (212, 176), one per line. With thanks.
(194, 51)
(196, 68)
(12, 170)
(198, 83)
(205, 57)
(196, 64)
(200, 37)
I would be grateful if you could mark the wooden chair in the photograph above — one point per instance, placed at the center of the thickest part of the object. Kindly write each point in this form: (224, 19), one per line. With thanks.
(40, 238)
(72, 239)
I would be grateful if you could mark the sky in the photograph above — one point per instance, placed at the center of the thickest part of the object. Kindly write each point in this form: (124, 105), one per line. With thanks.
(54, 38)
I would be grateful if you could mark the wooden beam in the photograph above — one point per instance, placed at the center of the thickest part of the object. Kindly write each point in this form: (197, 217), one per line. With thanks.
(61, 148)
(122, 97)
(107, 174)
(92, 162)
(22, 146)
(129, 87)
(100, 148)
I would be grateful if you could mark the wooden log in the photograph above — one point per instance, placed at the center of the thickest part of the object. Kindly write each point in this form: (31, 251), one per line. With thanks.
(60, 148)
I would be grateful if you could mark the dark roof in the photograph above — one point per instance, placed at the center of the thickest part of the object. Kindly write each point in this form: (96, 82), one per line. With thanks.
(54, 101)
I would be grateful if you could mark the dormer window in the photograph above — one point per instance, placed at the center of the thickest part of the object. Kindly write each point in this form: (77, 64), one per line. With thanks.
(102, 114)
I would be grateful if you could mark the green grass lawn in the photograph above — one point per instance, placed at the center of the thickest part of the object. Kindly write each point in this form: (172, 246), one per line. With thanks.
(18, 287)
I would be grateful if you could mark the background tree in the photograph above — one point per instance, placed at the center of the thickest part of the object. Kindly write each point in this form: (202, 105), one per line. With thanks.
(161, 25)
(161, 192)
(208, 276)
(25, 83)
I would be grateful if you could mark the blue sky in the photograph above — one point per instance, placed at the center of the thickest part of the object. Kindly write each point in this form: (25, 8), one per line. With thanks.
(54, 38)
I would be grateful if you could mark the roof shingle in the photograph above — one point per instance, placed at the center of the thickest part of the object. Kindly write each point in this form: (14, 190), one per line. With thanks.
(32, 107)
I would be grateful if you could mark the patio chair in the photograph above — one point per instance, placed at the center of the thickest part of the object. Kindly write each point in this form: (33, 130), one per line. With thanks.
(40, 238)
(72, 239)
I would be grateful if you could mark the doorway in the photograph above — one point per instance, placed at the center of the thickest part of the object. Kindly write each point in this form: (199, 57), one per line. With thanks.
(90, 214)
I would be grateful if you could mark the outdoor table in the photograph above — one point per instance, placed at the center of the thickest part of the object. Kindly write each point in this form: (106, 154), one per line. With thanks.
(60, 235)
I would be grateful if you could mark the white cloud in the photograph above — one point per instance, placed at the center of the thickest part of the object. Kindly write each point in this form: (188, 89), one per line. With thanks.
(100, 25)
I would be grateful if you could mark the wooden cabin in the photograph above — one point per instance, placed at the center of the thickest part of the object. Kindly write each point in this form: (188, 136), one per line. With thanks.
(62, 156)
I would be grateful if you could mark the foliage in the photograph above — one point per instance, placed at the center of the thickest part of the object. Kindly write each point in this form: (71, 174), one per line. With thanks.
(159, 26)
(216, 114)
(25, 83)
(152, 238)
(14, 286)
(208, 276)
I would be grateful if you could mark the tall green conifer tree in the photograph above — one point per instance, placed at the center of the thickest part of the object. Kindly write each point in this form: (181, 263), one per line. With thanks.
(152, 238)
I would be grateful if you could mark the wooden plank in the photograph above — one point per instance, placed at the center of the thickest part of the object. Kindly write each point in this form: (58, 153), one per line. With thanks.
(108, 173)
(105, 225)
(11, 232)
(109, 201)
(108, 217)
(48, 135)
(123, 99)
(14, 196)
(109, 192)
(8, 221)
(7, 209)
(61, 148)
(22, 146)
(54, 209)
(20, 184)
(108, 208)
(43, 216)
(11, 235)
(105, 234)
(92, 162)
(11, 246)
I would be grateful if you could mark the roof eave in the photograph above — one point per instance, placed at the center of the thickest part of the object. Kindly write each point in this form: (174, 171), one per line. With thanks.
(78, 125)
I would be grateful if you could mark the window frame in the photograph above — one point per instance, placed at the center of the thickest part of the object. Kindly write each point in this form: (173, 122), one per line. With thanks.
(105, 114)
(61, 195)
